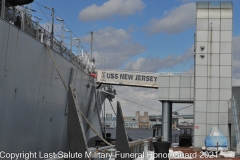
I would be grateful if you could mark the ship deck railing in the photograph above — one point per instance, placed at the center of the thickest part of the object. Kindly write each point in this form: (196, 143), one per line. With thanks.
(39, 33)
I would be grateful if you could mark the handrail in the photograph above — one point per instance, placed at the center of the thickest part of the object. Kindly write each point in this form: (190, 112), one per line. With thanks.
(131, 143)
(42, 35)
(134, 143)
(137, 146)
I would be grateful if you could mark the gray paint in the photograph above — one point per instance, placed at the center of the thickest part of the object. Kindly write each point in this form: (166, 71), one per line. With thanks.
(75, 131)
(166, 120)
(213, 69)
(121, 137)
(32, 96)
(178, 88)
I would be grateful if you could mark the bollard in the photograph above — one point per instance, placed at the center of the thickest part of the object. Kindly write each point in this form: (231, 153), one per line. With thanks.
(161, 149)
(145, 146)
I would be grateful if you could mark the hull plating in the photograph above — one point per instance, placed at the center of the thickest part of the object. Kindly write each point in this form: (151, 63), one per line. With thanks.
(33, 100)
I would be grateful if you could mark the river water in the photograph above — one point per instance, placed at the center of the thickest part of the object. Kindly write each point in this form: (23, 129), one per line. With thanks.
(136, 134)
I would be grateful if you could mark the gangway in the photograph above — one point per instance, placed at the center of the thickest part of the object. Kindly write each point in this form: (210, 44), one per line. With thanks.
(143, 79)
(172, 88)
(209, 88)
(127, 78)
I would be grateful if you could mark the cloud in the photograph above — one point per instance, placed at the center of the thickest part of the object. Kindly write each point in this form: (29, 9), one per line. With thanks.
(115, 46)
(146, 99)
(155, 64)
(176, 20)
(236, 60)
(149, 97)
(110, 8)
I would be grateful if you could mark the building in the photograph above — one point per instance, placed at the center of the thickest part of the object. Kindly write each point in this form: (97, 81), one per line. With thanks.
(129, 123)
(111, 122)
(108, 116)
(142, 121)
(148, 121)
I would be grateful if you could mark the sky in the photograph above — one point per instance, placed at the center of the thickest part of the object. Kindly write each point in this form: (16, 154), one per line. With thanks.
(135, 35)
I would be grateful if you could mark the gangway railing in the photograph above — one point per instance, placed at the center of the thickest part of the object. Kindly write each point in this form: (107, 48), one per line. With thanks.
(136, 79)
(137, 146)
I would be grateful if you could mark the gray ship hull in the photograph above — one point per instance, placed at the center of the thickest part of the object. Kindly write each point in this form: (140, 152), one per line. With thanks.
(33, 99)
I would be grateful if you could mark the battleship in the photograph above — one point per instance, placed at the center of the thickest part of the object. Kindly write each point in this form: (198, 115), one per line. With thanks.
(41, 81)
(36, 72)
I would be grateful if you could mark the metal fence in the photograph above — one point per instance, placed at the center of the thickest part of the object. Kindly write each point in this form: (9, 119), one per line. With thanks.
(138, 146)
(44, 36)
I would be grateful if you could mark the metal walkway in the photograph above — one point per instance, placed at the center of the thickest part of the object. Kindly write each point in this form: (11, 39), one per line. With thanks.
(126, 78)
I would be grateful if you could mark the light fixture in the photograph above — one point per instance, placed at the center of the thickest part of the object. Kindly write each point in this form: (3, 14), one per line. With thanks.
(66, 30)
(59, 19)
(48, 8)
(202, 56)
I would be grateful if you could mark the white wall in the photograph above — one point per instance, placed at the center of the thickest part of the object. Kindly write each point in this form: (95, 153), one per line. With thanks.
(213, 68)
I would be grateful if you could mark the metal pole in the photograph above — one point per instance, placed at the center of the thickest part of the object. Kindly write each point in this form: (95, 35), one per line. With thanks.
(61, 49)
(62, 38)
(3, 9)
(37, 27)
(170, 122)
(91, 45)
(104, 129)
(31, 12)
(78, 46)
(22, 20)
(52, 32)
(166, 114)
(37, 31)
(71, 42)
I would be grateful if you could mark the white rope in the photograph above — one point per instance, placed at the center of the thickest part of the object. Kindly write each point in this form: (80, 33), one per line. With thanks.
(79, 107)
(56, 67)
(93, 128)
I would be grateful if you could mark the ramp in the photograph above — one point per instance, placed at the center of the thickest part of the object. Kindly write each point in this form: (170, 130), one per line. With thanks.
(126, 78)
